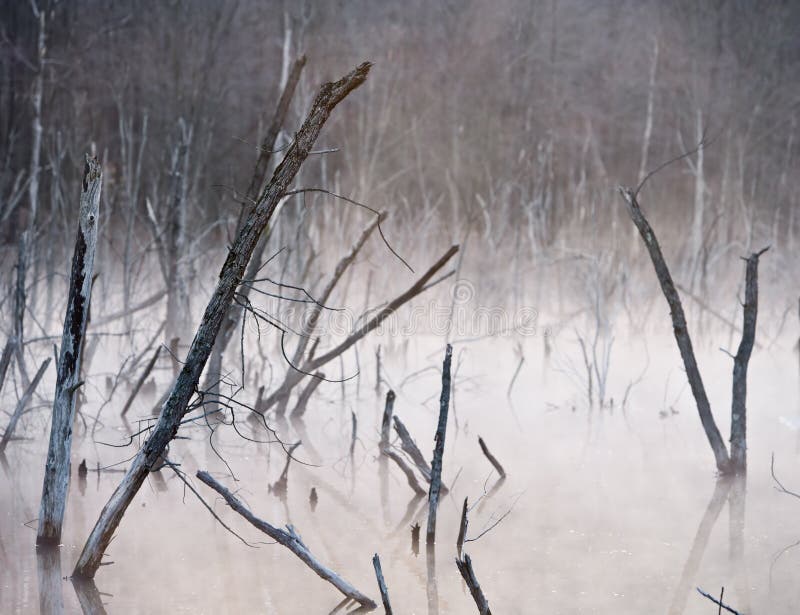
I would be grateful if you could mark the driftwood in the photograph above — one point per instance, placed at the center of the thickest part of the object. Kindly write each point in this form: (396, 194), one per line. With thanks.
(438, 451)
(230, 277)
(290, 539)
(57, 469)
(492, 459)
(462, 528)
(20, 408)
(376, 563)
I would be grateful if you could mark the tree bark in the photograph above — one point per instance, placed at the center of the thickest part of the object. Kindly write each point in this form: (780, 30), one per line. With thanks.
(740, 363)
(57, 468)
(680, 330)
(438, 451)
(230, 277)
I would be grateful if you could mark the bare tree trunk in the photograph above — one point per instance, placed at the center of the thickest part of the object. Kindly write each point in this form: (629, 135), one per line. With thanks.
(291, 540)
(468, 574)
(438, 451)
(376, 563)
(57, 468)
(680, 330)
(740, 363)
(230, 277)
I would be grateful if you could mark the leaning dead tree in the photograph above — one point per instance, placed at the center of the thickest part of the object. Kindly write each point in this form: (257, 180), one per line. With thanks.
(290, 539)
(240, 252)
(438, 451)
(736, 461)
(57, 468)
(313, 363)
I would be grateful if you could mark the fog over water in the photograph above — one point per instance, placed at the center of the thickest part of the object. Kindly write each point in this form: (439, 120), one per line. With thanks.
(248, 260)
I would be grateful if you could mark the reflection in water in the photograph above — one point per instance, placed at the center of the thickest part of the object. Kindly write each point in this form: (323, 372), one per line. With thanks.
(692, 565)
(738, 565)
(48, 569)
(432, 589)
(415, 539)
(89, 596)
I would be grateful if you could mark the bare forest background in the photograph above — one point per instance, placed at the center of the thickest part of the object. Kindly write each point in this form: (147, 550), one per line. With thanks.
(513, 120)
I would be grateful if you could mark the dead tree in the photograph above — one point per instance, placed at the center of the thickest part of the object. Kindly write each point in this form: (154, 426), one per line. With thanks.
(438, 451)
(297, 373)
(230, 277)
(148, 368)
(20, 409)
(464, 564)
(376, 563)
(740, 363)
(57, 468)
(290, 539)
(14, 344)
(725, 463)
(468, 574)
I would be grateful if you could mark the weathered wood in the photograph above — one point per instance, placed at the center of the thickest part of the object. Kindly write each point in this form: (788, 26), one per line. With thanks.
(376, 563)
(20, 408)
(492, 459)
(680, 330)
(740, 363)
(57, 468)
(230, 276)
(290, 539)
(468, 574)
(438, 451)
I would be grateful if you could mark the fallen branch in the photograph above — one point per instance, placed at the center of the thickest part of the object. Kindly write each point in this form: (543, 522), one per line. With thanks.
(289, 539)
(491, 458)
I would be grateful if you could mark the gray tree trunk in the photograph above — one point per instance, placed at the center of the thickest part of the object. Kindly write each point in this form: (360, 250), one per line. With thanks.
(57, 468)
(230, 277)
(680, 330)
(740, 363)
